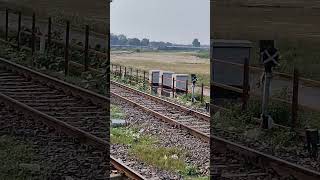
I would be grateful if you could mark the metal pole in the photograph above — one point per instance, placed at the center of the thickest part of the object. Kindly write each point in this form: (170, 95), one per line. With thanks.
(161, 83)
(266, 124)
(19, 30)
(295, 97)
(49, 34)
(202, 86)
(151, 84)
(193, 86)
(86, 50)
(173, 87)
(33, 40)
(7, 23)
(66, 67)
(187, 87)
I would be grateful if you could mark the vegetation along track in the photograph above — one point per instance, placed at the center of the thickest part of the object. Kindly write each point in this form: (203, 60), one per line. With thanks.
(198, 124)
(70, 109)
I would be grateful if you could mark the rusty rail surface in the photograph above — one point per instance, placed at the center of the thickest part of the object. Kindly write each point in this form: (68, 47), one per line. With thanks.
(259, 159)
(56, 123)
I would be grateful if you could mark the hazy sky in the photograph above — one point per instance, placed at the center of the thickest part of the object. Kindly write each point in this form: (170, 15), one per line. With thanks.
(177, 21)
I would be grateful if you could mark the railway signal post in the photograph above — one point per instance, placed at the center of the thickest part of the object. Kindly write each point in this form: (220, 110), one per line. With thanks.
(194, 79)
(269, 56)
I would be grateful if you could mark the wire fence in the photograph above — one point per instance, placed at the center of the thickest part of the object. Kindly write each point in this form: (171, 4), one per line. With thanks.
(165, 84)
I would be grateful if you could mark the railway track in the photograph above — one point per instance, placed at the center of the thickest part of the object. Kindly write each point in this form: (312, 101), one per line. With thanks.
(75, 111)
(82, 114)
(227, 155)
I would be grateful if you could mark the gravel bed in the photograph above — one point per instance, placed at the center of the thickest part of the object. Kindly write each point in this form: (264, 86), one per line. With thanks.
(294, 153)
(59, 156)
(198, 152)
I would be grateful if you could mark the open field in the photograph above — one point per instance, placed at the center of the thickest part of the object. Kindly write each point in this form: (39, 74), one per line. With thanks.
(177, 62)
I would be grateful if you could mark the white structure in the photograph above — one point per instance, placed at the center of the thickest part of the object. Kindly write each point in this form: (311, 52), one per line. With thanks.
(154, 76)
(180, 81)
(167, 78)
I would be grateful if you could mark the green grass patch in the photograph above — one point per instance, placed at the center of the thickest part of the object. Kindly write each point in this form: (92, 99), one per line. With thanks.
(116, 112)
(147, 150)
(13, 153)
(205, 54)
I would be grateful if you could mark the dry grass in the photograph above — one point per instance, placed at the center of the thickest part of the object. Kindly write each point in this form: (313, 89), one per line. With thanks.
(168, 61)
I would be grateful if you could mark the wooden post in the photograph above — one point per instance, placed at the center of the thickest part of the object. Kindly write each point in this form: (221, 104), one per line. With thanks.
(187, 87)
(66, 54)
(295, 96)
(33, 40)
(151, 83)
(144, 76)
(173, 87)
(49, 34)
(120, 72)
(19, 30)
(245, 93)
(86, 49)
(125, 72)
(7, 23)
(202, 89)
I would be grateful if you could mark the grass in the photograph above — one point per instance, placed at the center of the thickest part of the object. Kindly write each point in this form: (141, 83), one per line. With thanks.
(13, 153)
(116, 112)
(178, 62)
(242, 124)
(203, 54)
(146, 148)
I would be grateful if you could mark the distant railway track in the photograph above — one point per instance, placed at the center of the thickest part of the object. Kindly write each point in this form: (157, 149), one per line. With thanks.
(75, 111)
(198, 124)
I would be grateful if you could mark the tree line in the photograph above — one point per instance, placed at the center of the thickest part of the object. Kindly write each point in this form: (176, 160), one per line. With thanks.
(123, 40)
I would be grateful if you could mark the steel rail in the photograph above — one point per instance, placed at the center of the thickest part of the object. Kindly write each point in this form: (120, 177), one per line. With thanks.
(259, 159)
(158, 99)
(83, 136)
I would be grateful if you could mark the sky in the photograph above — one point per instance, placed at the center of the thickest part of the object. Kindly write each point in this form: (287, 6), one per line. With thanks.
(176, 21)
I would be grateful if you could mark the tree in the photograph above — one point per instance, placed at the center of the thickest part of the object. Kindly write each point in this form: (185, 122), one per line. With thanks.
(145, 42)
(196, 43)
(122, 39)
(114, 40)
(169, 44)
(134, 42)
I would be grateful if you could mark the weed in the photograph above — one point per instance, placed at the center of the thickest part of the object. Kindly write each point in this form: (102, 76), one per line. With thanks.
(146, 149)
(13, 153)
